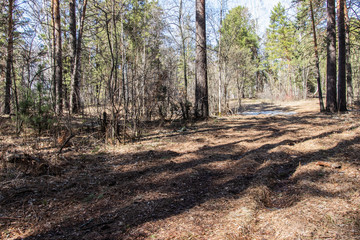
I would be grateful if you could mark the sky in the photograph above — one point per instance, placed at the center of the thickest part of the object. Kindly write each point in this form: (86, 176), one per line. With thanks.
(260, 9)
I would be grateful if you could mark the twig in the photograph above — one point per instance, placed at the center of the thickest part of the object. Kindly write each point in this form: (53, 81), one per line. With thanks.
(9, 218)
(66, 142)
(86, 223)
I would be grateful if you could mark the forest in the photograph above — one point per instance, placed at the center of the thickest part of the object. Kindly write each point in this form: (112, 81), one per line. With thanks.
(153, 119)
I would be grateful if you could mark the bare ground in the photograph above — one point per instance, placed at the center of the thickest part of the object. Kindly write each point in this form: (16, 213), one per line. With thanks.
(241, 177)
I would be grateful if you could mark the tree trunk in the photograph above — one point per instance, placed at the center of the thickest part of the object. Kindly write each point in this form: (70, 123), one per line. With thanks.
(110, 87)
(116, 51)
(73, 50)
(16, 99)
(9, 59)
(185, 105)
(317, 61)
(72, 30)
(331, 104)
(76, 71)
(219, 59)
(201, 88)
(350, 91)
(53, 56)
(342, 58)
(58, 57)
(123, 77)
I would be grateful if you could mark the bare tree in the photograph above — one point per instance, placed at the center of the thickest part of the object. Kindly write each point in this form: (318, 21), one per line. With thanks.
(185, 105)
(58, 57)
(219, 56)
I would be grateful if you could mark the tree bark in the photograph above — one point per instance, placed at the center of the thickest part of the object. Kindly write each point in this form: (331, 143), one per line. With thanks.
(349, 85)
(183, 53)
(72, 36)
(76, 71)
(16, 98)
(116, 51)
(219, 59)
(58, 57)
(342, 58)
(317, 61)
(331, 104)
(9, 59)
(53, 56)
(72, 30)
(201, 88)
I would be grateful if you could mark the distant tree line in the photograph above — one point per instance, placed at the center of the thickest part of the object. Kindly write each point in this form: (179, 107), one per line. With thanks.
(138, 60)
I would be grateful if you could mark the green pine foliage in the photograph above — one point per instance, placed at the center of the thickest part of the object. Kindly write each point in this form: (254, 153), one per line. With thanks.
(137, 55)
(280, 42)
(240, 46)
(239, 29)
(35, 109)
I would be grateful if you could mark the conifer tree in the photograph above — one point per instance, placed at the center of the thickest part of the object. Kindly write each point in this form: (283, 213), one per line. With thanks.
(201, 88)
(342, 58)
(9, 58)
(331, 103)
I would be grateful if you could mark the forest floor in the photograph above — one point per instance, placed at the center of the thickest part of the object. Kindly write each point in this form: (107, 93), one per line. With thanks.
(291, 176)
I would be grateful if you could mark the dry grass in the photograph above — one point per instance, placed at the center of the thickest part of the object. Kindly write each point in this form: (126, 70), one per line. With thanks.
(239, 177)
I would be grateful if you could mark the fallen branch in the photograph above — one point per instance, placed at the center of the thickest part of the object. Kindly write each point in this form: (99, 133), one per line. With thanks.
(330, 165)
(66, 142)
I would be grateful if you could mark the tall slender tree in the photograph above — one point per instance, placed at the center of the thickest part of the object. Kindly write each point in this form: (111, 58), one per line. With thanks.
(349, 85)
(280, 46)
(53, 55)
(72, 38)
(201, 88)
(342, 58)
(317, 61)
(219, 57)
(58, 57)
(76, 41)
(331, 103)
(184, 59)
(9, 59)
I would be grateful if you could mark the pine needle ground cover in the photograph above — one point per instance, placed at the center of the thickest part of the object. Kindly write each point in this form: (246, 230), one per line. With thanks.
(240, 177)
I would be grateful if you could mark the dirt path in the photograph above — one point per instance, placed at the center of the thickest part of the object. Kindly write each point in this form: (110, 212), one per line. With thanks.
(242, 177)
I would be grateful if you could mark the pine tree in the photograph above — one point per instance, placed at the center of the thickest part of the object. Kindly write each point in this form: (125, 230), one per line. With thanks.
(349, 85)
(331, 103)
(317, 61)
(201, 88)
(280, 47)
(342, 58)
(76, 41)
(9, 59)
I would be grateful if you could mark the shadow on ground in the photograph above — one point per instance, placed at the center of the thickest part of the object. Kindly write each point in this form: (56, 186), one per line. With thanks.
(107, 196)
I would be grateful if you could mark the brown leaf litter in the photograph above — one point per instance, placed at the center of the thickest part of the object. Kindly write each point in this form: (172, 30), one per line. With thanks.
(239, 177)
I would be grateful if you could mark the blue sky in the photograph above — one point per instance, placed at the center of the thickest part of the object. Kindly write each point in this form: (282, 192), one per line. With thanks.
(260, 9)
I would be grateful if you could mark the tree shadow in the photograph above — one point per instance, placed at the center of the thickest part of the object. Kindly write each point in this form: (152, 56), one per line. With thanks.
(193, 184)
(113, 194)
(265, 124)
(265, 107)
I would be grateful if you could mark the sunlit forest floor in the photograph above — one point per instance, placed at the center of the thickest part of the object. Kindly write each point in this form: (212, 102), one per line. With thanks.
(238, 177)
